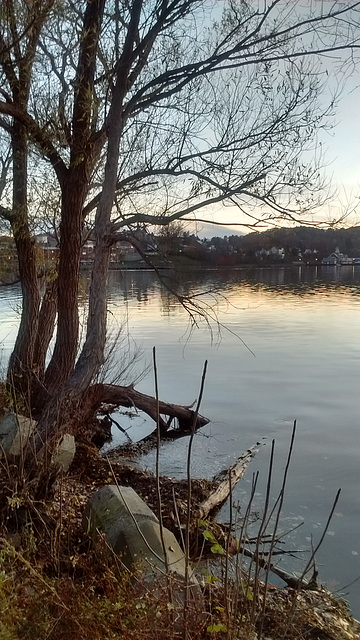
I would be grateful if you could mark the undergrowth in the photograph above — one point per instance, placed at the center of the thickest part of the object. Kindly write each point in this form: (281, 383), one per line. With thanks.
(58, 584)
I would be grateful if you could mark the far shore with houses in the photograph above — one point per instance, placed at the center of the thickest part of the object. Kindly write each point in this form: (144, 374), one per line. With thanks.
(125, 255)
(185, 251)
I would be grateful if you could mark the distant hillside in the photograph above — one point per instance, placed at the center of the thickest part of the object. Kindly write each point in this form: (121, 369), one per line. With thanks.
(323, 240)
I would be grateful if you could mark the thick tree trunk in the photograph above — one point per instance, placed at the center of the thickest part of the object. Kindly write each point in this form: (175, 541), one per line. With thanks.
(21, 361)
(74, 191)
(92, 354)
(47, 317)
(65, 350)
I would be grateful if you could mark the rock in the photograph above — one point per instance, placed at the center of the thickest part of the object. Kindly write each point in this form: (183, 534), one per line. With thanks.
(15, 431)
(132, 530)
(65, 452)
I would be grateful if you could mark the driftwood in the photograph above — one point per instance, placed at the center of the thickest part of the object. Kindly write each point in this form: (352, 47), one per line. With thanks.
(226, 482)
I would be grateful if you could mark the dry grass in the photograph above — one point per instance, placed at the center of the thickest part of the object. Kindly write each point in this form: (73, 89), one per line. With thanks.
(87, 595)
(56, 585)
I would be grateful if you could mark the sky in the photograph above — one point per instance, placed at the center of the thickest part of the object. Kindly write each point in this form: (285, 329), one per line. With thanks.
(341, 149)
(342, 167)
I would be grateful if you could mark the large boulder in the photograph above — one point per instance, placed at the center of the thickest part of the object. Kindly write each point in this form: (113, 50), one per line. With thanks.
(15, 431)
(133, 531)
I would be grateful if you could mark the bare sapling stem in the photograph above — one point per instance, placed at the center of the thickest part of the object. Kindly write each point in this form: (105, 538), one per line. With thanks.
(157, 471)
(261, 531)
(278, 506)
(311, 561)
(226, 577)
(243, 536)
(188, 509)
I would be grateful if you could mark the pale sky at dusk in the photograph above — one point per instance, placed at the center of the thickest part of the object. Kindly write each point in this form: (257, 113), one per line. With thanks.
(342, 159)
(341, 152)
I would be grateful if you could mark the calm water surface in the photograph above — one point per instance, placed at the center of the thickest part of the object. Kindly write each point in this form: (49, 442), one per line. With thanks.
(289, 349)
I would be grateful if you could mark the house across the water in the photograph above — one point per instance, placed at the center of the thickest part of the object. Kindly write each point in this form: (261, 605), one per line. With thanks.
(337, 258)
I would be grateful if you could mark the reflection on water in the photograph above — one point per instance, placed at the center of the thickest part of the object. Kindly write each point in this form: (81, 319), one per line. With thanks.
(289, 280)
(303, 327)
(289, 349)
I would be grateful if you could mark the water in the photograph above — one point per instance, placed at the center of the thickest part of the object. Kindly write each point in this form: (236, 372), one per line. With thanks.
(288, 349)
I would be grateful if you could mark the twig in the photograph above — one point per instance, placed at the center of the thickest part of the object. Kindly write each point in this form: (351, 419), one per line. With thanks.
(115, 422)
(158, 441)
(188, 509)
(280, 501)
(262, 528)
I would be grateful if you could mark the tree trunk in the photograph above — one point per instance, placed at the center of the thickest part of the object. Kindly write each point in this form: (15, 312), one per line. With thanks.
(65, 350)
(20, 366)
(74, 191)
(46, 325)
(47, 317)
(92, 354)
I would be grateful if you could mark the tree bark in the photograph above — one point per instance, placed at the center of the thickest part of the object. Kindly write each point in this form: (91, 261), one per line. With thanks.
(47, 317)
(65, 350)
(18, 71)
(74, 190)
(20, 365)
(46, 325)
(92, 354)
(129, 397)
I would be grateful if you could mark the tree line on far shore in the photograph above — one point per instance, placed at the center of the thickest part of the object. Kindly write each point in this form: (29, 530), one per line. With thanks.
(308, 244)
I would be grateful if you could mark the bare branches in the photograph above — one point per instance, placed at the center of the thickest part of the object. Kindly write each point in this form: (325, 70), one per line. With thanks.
(265, 43)
(252, 42)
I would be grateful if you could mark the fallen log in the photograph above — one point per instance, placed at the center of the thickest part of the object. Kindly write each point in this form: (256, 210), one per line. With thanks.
(226, 480)
(116, 396)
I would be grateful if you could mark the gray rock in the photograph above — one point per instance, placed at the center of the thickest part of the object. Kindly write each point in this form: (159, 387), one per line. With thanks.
(65, 452)
(132, 530)
(15, 431)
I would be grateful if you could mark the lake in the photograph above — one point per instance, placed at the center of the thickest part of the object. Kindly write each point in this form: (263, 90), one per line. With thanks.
(282, 345)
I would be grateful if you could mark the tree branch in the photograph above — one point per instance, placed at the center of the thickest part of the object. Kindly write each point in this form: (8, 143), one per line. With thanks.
(240, 55)
(38, 136)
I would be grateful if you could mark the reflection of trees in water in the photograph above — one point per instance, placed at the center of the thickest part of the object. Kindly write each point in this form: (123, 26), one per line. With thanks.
(169, 303)
(144, 286)
(133, 285)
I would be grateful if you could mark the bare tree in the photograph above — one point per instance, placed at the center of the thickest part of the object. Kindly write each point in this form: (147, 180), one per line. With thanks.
(148, 112)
